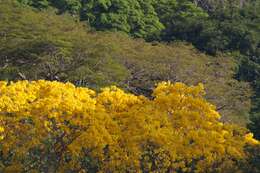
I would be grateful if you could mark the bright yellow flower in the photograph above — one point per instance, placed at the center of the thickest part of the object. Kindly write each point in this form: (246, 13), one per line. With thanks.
(115, 131)
(250, 139)
(1, 129)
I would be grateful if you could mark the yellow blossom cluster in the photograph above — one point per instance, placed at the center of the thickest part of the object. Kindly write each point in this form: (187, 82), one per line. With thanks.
(55, 127)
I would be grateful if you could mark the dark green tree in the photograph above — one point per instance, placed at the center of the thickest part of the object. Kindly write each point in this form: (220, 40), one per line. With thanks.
(136, 17)
(180, 18)
(71, 6)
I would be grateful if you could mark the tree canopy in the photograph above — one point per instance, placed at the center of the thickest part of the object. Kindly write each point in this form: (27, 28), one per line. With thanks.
(56, 127)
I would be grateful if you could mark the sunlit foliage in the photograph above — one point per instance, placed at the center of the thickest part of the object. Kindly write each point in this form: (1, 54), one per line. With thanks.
(56, 127)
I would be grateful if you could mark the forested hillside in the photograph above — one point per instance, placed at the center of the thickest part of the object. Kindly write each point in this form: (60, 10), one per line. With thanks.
(45, 46)
(220, 26)
(134, 45)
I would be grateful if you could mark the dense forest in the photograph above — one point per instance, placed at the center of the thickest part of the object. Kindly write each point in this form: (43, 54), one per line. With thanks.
(210, 45)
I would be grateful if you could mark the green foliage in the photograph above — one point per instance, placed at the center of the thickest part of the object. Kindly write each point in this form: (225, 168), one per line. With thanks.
(250, 64)
(135, 17)
(73, 6)
(45, 46)
(145, 19)
(211, 26)
(180, 19)
(254, 126)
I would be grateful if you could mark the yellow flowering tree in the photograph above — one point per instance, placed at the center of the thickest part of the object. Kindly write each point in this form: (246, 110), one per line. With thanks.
(56, 127)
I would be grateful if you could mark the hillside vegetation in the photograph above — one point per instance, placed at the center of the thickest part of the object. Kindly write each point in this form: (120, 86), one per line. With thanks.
(212, 26)
(46, 46)
(127, 86)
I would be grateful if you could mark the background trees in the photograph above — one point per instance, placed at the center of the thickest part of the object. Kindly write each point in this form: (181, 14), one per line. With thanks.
(135, 17)
(138, 18)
